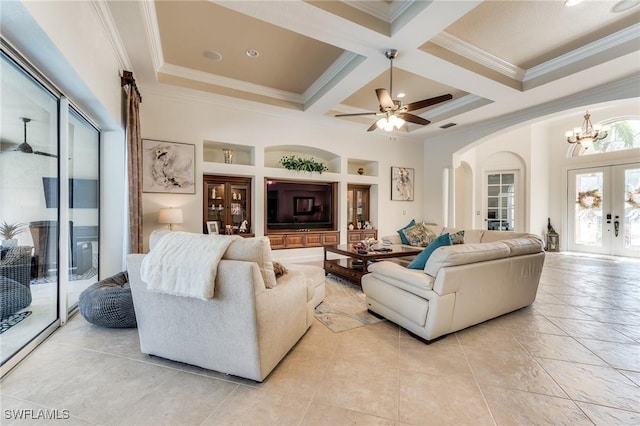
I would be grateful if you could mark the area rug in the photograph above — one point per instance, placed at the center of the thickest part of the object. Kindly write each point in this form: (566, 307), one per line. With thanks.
(12, 320)
(344, 306)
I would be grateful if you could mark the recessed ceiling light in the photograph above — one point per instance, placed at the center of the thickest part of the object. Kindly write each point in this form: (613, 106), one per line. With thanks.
(213, 55)
(570, 3)
(252, 53)
(624, 5)
(401, 95)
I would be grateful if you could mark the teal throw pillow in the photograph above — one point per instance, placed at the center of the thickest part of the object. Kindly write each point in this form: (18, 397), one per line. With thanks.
(421, 259)
(400, 231)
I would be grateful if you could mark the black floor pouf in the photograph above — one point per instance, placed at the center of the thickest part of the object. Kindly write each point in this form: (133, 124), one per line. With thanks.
(108, 303)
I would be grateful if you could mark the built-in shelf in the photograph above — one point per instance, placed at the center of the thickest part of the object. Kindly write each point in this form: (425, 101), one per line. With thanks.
(273, 154)
(369, 168)
(213, 152)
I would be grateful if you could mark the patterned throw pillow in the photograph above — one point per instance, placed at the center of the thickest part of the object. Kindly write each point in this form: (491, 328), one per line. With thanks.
(457, 238)
(400, 231)
(279, 269)
(419, 235)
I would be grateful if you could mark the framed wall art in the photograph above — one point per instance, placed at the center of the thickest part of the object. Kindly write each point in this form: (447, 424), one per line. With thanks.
(168, 167)
(402, 180)
(213, 227)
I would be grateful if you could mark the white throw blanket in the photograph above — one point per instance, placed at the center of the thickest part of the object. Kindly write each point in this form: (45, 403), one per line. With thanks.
(185, 264)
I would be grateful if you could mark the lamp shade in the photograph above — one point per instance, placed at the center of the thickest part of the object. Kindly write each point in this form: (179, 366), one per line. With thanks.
(170, 216)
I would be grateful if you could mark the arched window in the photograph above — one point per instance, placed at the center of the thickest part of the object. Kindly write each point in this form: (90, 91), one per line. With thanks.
(624, 133)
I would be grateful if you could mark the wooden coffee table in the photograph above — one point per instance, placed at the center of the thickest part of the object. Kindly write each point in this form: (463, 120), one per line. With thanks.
(354, 265)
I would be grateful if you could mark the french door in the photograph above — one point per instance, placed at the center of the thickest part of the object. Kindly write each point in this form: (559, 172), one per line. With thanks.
(604, 210)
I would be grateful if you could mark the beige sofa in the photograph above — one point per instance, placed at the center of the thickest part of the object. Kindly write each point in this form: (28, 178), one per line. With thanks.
(245, 330)
(491, 274)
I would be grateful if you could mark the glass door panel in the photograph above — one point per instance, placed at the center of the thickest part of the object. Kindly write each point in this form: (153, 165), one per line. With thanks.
(28, 198)
(84, 197)
(604, 213)
(501, 205)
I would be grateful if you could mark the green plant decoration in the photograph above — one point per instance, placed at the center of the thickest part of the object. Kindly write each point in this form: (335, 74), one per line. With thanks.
(10, 230)
(293, 162)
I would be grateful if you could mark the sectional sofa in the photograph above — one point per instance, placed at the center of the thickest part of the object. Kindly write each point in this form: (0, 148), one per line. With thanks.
(492, 273)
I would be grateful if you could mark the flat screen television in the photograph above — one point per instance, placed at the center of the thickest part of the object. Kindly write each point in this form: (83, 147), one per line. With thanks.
(300, 205)
(83, 193)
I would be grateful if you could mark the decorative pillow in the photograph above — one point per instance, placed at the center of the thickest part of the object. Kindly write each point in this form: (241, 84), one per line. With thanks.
(400, 231)
(420, 260)
(419, 235)
(457, 238)
(279, 269)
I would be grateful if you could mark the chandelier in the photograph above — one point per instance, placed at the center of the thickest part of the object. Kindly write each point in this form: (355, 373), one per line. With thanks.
(587, 134)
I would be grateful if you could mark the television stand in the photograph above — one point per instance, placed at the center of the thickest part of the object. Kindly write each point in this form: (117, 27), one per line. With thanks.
(294, 238)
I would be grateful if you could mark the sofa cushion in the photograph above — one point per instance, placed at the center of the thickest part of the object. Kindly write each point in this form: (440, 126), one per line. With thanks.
(420, 260)
(524, 245)
(420, 235)
(472, 236)
(403, 237)
(465, 253)
(490, 236)
(257, 249)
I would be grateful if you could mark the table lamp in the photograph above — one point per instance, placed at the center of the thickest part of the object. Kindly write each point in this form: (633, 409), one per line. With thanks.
(170, 216)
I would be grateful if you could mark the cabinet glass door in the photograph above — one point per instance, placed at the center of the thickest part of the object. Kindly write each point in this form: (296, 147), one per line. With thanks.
(216, 205)
(238, 207)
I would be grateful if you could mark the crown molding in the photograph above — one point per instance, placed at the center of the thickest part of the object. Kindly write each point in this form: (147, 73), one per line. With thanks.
(381, 10)
(469, 51)
(230, 83)
(153, 32)
(106, 18)
(334, 69)
(592, 49)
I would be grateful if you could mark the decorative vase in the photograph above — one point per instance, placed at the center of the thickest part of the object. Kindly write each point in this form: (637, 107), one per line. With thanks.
(228, 156)
(360, 171)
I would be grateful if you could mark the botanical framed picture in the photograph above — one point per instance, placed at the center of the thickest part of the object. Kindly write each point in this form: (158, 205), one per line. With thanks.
(402, 180)
(213, 227)
(168, 167)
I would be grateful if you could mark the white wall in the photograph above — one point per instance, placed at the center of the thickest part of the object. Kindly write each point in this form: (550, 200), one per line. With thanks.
(178, 118)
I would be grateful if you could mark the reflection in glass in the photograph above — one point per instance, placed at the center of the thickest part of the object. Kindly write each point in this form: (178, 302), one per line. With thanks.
(84, 195)
(28, 271)
(588, 209)
(632, 209)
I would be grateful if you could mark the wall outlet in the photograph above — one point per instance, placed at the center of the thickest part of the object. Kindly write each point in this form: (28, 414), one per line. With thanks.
(404, 212)
(477, 212)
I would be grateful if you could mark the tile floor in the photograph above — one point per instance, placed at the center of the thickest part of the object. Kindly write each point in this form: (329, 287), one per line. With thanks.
(573, 357)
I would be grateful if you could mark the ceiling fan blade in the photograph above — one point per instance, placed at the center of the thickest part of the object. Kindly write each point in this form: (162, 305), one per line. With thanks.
(413, 118)
(355, 114)
(46, 154)
(25, 147)
(373, 127)
(385, 100)
(427, 102)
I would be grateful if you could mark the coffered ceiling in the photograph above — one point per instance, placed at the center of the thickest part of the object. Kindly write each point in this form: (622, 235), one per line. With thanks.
(325, 57)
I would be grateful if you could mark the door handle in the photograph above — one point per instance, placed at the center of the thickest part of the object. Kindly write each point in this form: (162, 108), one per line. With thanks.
(616, 227)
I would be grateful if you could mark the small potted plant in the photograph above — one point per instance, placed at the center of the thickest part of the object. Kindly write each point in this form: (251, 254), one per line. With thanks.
(8, 232)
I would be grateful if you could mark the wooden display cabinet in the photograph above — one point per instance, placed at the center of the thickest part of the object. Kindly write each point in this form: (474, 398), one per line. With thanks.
(358, 212)
(227, 200)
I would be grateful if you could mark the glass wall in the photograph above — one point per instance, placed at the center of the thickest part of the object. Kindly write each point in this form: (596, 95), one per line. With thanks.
(31, 149)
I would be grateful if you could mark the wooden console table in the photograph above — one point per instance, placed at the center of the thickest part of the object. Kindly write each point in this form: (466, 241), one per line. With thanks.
(354, 265)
